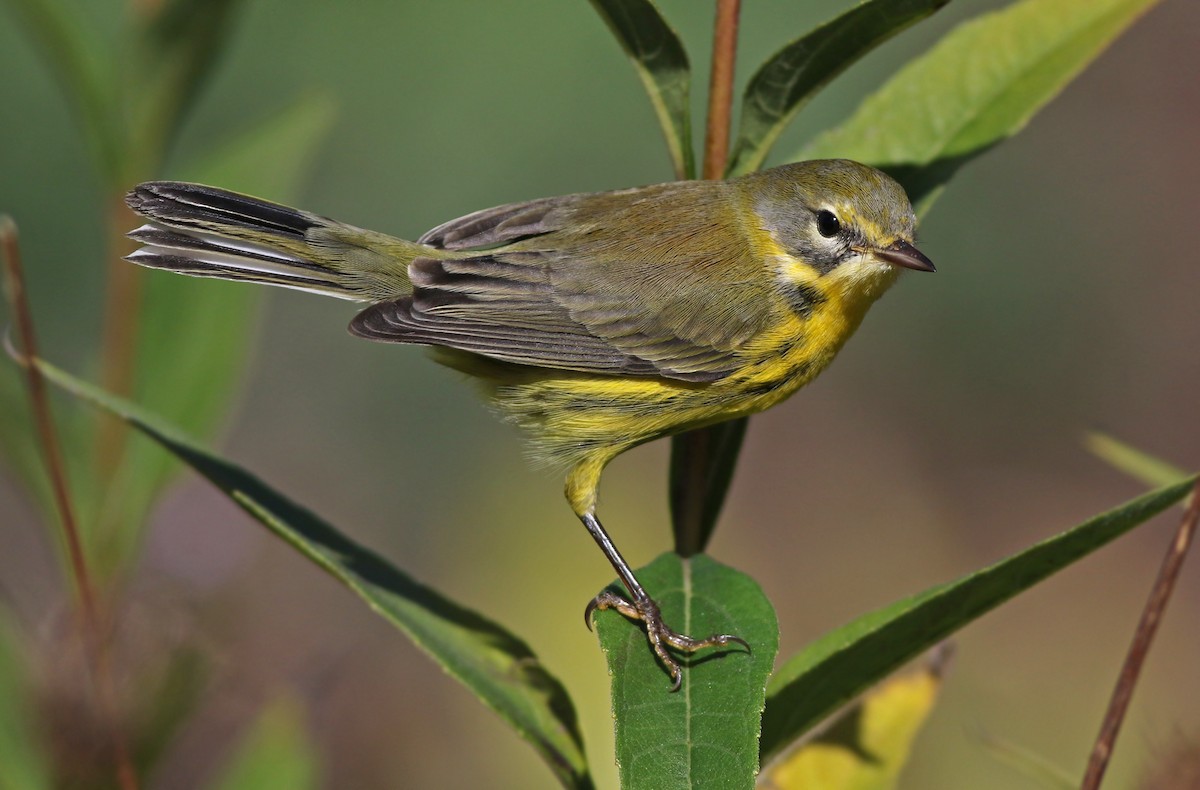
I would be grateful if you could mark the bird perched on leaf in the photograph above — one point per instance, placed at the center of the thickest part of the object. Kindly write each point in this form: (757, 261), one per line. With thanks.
(595, 322)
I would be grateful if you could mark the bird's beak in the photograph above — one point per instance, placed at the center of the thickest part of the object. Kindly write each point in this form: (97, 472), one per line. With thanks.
(901, 253)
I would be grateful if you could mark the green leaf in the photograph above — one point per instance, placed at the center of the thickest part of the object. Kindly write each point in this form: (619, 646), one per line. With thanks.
(865, 746)
(1133, 462)
(272, 157)
(77, 58)
(277, 752)
(495, 665)
(980, 85)
(662, 65)
(175, 46)
(794, 74)
(194, 336)
(836, 668)
(23, 765)
(702, 465)
(705, 734)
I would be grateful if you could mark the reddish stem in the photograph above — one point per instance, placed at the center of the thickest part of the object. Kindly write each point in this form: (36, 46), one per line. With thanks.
(720, 88)
(1142, 638)
(14, 282)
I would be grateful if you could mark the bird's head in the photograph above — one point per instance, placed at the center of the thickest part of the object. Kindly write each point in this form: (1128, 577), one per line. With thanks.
(845, 227)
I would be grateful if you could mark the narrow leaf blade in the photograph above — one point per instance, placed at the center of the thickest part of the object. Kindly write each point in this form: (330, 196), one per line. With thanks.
(702, 465)
(495, 665)
(793, 75)
(1133, 462)
(194, 337)
(981, 84)
(662, 65)
(833, 670)
(704, 735)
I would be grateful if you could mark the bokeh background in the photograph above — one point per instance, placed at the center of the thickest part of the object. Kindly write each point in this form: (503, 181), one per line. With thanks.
(948, 434)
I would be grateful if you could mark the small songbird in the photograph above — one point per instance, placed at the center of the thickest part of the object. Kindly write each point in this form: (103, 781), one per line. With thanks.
(595, 322)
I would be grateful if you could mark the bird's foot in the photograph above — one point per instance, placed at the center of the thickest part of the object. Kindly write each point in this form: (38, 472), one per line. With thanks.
(644, 609)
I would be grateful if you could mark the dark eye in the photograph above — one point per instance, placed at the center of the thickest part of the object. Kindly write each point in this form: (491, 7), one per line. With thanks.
(827, 224)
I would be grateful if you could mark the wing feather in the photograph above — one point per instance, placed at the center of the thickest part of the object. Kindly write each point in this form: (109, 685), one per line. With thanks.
(655, 281)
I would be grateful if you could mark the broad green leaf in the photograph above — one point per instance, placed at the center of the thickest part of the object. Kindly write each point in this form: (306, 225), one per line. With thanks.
(1134, 462)
(277, 752)
(703, 735)
(23, 765)
(495, 665)
(194, 336)
(662, 65)
(980, 85)
(865, 746)
(702, 466)
(840, 665)
(793, 75)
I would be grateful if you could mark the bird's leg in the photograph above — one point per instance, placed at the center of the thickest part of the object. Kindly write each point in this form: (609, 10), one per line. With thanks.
(640, 606)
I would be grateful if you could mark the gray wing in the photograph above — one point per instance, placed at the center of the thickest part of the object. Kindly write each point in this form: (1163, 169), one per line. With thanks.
(504, 310)
(566, 285)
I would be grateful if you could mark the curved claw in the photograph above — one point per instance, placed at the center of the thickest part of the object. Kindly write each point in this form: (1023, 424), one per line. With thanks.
(659, 634)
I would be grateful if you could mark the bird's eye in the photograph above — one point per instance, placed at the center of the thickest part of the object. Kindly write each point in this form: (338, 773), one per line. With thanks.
(827, 224)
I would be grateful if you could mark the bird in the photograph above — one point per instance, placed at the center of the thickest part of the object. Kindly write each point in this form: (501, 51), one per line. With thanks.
(595, 322)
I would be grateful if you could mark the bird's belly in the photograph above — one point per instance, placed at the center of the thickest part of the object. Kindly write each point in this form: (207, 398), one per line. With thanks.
(569, 417)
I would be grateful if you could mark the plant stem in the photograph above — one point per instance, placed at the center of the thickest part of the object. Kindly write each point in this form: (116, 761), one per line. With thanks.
(1143, 636)
(14, 285)
(119, 334)
(720, 88)
(702, 460)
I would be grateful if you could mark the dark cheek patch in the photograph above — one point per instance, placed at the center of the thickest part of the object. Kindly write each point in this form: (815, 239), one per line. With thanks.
(803, 299)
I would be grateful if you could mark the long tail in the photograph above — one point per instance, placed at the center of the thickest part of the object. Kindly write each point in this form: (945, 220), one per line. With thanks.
(208, 232)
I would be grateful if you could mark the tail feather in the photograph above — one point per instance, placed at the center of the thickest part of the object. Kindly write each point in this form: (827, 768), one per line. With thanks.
(207, 232)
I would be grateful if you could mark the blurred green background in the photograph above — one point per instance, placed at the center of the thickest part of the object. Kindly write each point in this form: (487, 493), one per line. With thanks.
(947, 436)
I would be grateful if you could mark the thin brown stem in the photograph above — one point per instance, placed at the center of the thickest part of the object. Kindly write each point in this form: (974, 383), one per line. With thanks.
(1143, 636)
(93, 628)
(720, 88)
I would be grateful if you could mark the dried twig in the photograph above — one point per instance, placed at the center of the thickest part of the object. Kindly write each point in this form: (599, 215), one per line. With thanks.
(93, 627)
(1143, 636)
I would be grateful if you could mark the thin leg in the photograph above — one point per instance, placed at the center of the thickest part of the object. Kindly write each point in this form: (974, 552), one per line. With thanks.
(642, 607)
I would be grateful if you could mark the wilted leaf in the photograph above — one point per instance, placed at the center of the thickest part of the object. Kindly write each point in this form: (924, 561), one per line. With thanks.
(866, 746)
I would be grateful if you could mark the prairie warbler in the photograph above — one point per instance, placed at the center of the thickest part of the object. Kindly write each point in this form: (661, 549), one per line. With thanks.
(595, 322)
